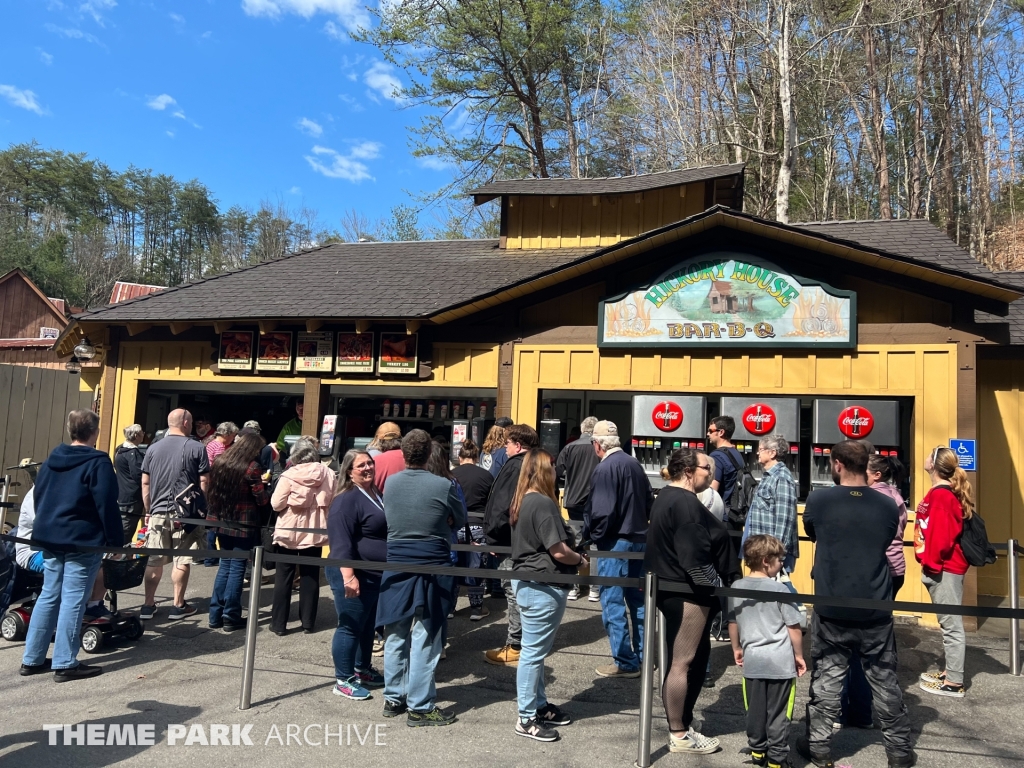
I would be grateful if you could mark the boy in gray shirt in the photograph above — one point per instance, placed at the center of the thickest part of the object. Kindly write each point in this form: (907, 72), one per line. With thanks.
(768, 644)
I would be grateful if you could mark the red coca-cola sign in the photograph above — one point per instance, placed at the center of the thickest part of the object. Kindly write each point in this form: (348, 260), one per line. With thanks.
(667, 416)
(856, 422)
(759, 419)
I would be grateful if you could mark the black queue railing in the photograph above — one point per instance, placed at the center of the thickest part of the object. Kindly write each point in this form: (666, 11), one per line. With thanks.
(654, 625)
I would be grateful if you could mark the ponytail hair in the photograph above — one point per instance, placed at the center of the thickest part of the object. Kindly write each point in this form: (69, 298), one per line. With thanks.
(889, 467)
(948, 468)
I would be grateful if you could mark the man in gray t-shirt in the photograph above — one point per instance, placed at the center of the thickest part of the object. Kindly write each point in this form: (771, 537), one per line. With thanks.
(170, 466)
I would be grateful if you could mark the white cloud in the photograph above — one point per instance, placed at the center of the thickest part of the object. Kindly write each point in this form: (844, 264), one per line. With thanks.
(353, 104)
(351, 13)
(335, 165)
(310, 127)
(333, 30)
(21, 99)
(177, 18)
(432, 163)
(161, 102)
(170, 133)
(380, 77)
(74, 34)
(179, 114)
(45, 57)
(95, 8)
(295, 191)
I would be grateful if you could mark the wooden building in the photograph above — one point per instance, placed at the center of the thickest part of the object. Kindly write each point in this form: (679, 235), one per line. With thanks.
(29, 323)
(595, 294)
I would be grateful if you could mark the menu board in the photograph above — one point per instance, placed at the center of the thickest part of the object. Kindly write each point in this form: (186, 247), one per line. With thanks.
(313, 353)
(398, 353)
(354, 353)
(236, 351)
(275, 352)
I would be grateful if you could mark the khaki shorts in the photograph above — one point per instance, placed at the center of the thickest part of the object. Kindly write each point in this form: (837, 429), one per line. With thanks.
(163, 535)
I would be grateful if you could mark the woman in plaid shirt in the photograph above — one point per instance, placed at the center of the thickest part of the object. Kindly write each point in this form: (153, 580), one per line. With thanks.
(235, 495)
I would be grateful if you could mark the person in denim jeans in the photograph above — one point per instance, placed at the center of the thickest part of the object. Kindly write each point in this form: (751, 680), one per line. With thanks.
(619, 509)
(76, 505)
(356, 530)
(540, 546)
(236, 494)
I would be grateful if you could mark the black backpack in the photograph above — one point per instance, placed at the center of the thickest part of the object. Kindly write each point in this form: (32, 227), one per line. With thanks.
(742, 492)
(974, 542)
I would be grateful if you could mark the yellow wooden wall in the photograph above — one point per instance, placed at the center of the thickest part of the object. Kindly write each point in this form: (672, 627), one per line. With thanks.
(925, 372)
(581, 221)
(1000, 461)
(466, 365)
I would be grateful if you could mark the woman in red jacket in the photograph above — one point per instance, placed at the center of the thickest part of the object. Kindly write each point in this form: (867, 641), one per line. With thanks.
(937, 531)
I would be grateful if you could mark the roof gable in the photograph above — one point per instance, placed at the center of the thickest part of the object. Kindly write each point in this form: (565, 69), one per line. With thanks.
(25, 308)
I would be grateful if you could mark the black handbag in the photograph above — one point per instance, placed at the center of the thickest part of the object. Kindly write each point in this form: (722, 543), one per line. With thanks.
(190, 503)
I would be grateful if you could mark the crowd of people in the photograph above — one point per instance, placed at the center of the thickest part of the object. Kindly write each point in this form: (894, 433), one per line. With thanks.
(400, 501)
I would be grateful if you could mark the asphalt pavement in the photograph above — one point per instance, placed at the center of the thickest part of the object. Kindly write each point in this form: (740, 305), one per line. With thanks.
(184, 678)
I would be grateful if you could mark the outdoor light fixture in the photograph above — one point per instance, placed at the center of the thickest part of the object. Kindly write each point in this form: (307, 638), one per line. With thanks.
(85, 350)
(72, 366)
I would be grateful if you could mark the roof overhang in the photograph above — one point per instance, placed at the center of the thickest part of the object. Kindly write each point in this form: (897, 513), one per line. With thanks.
(742, 222)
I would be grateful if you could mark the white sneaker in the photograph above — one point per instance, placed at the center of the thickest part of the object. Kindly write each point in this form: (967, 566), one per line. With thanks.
(595, 595)
(694, 743)
(574, 594)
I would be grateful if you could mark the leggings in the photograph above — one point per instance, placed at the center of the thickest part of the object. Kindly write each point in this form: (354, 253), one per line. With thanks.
(687, 627)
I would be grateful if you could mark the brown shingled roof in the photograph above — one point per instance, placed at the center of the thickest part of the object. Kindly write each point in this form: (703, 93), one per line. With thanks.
(610, 185)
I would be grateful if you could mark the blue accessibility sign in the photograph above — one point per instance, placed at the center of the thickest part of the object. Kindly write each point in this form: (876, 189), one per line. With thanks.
(966, 453)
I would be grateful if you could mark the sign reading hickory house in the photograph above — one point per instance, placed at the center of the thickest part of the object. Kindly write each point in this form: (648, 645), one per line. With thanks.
(729, 299)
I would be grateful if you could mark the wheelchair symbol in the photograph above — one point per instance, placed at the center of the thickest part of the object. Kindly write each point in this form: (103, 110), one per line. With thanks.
(962, 449)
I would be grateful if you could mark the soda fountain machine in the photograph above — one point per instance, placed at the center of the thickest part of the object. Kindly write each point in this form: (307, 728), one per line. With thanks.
(877, 421)
(662, 423)
(758, 417)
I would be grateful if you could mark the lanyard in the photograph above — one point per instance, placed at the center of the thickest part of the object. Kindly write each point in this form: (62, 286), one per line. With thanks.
(375, 501)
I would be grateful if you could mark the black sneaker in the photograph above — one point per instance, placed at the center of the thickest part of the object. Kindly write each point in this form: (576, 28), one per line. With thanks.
(80, 672)
(36, 669)
(903, 761)
(394, 708)
(803, 748)
(436, 716)
(181, 612)
(549, 714)
(759, 758)
(531, 729)
(783, 764)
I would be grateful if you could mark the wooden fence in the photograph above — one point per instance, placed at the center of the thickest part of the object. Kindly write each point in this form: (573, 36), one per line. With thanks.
(34, 406)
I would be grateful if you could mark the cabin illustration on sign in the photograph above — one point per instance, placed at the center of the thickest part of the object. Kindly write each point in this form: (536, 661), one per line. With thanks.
(722, 300)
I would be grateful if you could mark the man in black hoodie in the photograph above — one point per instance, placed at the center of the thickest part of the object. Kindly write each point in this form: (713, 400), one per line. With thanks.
(519, 438)
(128, 466)
(76, 504)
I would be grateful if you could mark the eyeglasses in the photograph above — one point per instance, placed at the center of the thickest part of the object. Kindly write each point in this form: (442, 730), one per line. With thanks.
(705, 467)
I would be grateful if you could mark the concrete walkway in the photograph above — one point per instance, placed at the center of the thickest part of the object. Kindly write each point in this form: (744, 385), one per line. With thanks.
(184, 673)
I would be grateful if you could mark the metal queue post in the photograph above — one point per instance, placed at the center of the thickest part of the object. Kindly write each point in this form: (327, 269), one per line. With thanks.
(1011, 558)
(643, 759)
(249, 662)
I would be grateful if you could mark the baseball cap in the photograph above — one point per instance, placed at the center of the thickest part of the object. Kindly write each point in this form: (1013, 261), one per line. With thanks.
(253, 425)
(605, 429)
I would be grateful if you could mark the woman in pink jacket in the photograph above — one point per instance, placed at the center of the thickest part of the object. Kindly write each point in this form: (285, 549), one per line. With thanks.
(302, 498)
(885, 474)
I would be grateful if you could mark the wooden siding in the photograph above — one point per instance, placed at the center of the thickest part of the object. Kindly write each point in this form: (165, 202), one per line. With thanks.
(34, 404)
(1000, 474)
(582, 221)
(23, 312)
(925, 372)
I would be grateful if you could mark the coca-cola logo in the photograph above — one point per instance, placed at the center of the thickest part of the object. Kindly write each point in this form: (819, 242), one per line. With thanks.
(856, 422)
(667, 416)
(759, 419)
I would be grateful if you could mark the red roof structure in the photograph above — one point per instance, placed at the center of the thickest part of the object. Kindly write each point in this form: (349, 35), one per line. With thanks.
(125, 291)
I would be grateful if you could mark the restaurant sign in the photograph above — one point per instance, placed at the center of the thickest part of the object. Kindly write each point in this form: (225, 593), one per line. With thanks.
(729, 299)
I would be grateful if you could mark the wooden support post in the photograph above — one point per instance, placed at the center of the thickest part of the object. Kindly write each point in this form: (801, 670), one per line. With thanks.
(315, 399)
(107, 387)
(966, 427)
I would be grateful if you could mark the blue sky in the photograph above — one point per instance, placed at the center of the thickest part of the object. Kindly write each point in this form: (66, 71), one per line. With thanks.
(258, 99)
